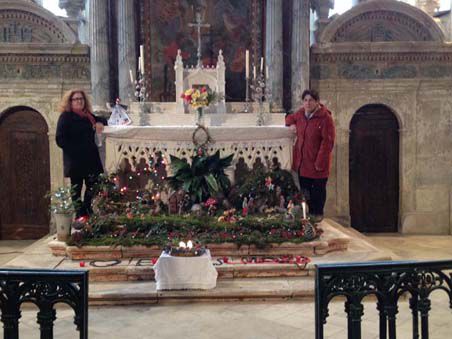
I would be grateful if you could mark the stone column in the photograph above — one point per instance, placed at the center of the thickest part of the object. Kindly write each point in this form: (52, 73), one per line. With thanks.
(429, 6)
(127, 58)
(74, 10)
(322, 8)
(100, 78)
(274, 52)
(300, 50)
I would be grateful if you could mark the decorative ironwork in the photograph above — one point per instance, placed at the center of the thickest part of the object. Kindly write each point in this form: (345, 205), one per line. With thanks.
(387, 281)
(44, 288)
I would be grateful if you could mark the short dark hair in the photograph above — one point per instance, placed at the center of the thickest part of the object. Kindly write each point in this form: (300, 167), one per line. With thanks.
(313, 93)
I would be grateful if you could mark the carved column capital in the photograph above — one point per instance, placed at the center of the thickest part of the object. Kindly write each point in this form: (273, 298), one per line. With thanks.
(428, 6)
(73, 7)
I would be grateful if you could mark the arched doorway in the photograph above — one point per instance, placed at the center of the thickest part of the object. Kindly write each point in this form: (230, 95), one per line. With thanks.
(24, 173)
(374, 170)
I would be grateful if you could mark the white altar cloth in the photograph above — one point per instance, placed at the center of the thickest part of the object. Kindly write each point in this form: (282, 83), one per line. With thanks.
(177, 273)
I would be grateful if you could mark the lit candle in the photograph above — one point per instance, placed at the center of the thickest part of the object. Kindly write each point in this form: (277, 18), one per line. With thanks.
(182, 245)
(303, 206)
(247, 64)
(131, 76)
(262, 64)
(254, 72)
(190, 244)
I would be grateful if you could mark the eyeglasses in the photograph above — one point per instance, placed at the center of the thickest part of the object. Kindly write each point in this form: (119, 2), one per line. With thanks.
(78, 99)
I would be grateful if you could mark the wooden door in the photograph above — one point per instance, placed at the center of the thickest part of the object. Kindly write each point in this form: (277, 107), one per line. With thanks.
(24, 175)
(374, 170)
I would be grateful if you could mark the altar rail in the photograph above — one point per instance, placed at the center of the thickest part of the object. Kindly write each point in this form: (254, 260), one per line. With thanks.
(387, 281)
(44, 288)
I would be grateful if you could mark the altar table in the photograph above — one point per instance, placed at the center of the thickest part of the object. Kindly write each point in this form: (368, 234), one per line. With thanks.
(247, 142)
(180, 273)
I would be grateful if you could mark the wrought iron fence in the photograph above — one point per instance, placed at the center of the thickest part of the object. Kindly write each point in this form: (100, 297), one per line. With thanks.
(387, 281)
(44, 288)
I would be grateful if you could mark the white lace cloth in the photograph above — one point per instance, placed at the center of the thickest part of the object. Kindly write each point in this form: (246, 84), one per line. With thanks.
(249, 143)
(178, 273)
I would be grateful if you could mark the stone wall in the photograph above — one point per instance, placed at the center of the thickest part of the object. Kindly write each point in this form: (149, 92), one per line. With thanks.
(415, 82)
(39, 67)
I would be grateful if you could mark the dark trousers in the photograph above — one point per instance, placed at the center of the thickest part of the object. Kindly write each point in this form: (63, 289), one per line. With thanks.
(83, 207)
(314, 191)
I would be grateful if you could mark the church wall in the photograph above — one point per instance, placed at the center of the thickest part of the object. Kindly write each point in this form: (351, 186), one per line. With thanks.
(38, 81)
(418, 90)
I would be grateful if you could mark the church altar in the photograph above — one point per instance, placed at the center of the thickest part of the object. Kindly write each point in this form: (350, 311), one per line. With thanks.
(245, 142)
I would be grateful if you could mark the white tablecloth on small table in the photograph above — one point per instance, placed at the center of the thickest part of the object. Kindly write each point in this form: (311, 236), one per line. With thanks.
(177, 273)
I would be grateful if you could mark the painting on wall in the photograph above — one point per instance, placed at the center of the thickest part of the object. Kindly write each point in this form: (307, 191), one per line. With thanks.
(229, 30)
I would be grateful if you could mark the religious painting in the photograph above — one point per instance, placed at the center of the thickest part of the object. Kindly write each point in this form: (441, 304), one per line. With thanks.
(227, 26)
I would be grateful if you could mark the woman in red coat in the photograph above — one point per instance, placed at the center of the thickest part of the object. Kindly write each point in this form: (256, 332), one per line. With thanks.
(312, 153)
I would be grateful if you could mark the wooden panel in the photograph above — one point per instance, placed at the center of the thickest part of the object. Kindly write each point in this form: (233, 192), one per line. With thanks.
(25, 173)
(374, 170)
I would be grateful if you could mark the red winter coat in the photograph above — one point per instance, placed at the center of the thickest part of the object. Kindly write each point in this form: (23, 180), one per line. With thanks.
(312, 153)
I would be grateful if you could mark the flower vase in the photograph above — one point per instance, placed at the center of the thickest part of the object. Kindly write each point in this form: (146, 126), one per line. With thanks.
(200, 118)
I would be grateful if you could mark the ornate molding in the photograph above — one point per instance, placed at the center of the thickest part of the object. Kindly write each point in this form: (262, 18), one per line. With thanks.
(382, 26)
(383, 20)
(412, 57)
(25, 24)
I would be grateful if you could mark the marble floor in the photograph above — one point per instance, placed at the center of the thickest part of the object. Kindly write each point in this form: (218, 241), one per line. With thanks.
(244, 319)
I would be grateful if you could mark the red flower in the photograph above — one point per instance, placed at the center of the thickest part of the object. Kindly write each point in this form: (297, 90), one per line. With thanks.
(203, 90)
(210, 202)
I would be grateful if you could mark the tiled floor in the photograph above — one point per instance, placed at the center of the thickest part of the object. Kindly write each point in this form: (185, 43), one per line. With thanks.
(260, 320)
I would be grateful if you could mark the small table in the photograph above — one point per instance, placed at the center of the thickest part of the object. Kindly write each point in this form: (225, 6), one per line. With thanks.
(180, 273)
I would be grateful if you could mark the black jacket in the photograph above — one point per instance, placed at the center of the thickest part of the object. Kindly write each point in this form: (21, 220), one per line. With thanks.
(75, 135)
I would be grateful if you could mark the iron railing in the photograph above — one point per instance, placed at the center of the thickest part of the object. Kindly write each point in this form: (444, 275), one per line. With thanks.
(44, 288)
(387, 281)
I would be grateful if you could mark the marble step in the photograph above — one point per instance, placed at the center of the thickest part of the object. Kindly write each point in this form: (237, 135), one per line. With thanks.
(130, 293)
(142, 269)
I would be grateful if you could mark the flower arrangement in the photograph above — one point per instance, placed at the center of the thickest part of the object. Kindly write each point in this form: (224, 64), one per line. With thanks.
(199, 98)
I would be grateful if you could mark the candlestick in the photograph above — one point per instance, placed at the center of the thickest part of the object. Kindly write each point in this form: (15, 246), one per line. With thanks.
(247, 64)
(131, 76)
(254, 72)
(262, 64)
(303, 206)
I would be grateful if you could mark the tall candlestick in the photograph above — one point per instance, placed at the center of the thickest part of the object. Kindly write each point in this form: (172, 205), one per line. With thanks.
(131, 76)
(247, 64)
(262, 64)
(142, 58)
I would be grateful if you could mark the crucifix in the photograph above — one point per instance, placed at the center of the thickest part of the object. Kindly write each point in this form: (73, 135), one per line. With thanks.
(199, 24)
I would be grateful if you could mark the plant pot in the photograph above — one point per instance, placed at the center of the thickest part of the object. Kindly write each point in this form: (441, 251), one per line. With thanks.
(63, 225)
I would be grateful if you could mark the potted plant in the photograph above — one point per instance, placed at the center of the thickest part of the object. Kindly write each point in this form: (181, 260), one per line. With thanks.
(62, 207)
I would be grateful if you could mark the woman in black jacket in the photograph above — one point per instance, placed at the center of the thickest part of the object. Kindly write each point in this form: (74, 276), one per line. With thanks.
(75, 135)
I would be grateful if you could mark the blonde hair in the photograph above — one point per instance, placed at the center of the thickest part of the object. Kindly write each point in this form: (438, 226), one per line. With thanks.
(65, 103)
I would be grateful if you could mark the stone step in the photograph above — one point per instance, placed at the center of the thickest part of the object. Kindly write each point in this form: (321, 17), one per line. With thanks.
(142, 269)
(130, 293)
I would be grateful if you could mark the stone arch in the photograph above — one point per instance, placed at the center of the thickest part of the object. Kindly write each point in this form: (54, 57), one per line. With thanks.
(30, 23)
(382, 20)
